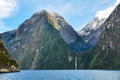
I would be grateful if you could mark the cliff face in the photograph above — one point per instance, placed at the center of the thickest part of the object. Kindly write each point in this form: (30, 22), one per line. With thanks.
(47, 41)
(7, 64)
(106, 53)
(41, 42)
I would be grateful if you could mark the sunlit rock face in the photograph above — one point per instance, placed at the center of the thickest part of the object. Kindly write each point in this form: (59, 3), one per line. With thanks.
(42, 42)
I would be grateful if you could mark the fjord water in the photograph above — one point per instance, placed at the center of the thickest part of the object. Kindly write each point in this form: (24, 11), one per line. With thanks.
(62, 75)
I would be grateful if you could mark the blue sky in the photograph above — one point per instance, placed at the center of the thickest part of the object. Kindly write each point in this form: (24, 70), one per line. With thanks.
(76, 12)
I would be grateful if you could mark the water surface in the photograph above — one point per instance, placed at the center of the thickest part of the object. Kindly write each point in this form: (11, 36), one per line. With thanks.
(62, 75)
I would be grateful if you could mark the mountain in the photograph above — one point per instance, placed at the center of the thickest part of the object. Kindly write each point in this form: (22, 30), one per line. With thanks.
(91, 32)
(45, 41)
(7, 64)
(106, 53)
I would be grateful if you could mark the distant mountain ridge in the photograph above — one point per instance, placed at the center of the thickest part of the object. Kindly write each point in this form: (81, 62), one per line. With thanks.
(91, 32)
(106, 53)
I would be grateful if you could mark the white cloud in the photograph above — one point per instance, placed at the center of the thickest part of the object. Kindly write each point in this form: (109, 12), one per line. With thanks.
(105, 13)
(7, 7)
(118, 1)
(64, 7)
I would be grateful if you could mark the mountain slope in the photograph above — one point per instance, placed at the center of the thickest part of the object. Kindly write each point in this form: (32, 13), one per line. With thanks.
(41, 42)
(91, 32)
(106, 53)
(7, 64)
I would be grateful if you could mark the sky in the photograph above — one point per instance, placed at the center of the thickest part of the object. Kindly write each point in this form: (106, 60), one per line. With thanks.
(76, 12)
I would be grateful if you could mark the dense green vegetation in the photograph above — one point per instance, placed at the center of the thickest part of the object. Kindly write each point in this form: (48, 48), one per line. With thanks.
(5, 61)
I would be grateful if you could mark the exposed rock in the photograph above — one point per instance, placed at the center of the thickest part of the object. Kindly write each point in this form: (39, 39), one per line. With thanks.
(41, 42)
(7, 64)
(91, 32)
(106, 53)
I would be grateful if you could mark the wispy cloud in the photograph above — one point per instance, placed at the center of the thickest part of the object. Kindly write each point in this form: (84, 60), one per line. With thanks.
(7, 7)
(2, 24)
(64, 7)
(106, 12)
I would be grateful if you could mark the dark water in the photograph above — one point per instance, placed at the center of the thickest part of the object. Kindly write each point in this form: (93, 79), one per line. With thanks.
(62, 75)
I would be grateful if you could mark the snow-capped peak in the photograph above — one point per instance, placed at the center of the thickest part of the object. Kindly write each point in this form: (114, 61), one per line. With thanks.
(92, 26)
(92, 31)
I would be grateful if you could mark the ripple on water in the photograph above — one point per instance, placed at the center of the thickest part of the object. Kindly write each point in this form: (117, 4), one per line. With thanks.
(62, 75)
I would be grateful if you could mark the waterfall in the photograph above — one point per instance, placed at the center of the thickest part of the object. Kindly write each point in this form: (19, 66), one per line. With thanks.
(75, 63)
